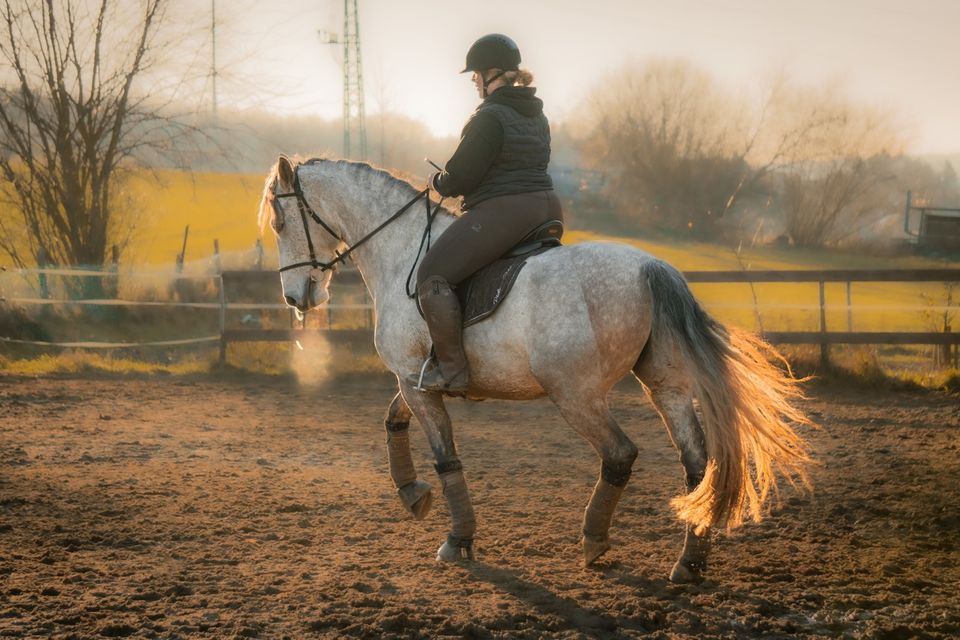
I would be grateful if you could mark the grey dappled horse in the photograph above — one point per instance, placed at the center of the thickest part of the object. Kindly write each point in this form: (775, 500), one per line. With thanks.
(579, 318)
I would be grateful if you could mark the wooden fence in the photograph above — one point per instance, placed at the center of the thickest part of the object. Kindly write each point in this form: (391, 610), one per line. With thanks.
(822, 336)
(270, 281)
(263, 285)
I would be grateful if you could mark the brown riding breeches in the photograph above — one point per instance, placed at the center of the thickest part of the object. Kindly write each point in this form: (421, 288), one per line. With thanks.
(486, 232)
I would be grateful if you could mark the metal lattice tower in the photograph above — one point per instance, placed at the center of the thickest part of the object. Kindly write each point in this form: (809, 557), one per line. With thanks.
(213, 57)
(354, 118)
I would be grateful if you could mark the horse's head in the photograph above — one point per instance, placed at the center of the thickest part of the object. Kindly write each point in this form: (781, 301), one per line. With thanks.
(306, 242)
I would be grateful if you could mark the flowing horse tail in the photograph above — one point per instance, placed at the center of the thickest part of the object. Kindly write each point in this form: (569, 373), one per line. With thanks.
(746, 404)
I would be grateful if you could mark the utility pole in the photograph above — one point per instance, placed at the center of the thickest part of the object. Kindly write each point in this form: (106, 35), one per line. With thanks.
(213, 47)
(354, 116)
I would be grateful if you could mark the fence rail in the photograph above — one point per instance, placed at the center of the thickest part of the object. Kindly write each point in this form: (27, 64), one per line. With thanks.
(823, 337)
(231, 280)
(826, 275)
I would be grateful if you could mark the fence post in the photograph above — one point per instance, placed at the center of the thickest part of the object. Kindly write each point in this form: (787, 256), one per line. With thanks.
(849, 308)
(183, 251)
(218, 267)
(42, 262)
(824, 348)
(112, 283)
(946, 349)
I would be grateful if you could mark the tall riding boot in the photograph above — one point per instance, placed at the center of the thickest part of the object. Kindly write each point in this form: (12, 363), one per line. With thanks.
(441, 309)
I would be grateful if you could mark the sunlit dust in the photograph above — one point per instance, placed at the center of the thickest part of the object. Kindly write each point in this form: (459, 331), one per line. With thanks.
(312, 359)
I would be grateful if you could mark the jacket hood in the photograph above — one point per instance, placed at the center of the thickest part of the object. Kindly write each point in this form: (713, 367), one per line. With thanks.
(521, 99)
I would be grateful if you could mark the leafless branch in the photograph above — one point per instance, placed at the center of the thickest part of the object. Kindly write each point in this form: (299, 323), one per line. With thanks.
(72, 117)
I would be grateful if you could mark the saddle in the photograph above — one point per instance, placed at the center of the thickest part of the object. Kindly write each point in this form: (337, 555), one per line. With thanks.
(482, 293)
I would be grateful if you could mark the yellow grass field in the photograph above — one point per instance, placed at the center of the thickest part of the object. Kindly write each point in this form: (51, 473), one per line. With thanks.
(223, 207)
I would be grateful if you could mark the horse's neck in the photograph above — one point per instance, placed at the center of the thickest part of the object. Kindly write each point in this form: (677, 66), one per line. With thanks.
(386, 259)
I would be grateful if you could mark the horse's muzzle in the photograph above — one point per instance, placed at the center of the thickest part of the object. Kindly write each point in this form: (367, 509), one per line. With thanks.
(303, 306)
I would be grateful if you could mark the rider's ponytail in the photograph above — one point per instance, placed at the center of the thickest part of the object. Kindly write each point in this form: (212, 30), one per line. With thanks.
(520, 77)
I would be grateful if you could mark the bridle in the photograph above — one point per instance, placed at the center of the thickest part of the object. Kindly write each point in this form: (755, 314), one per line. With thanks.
(305, 209)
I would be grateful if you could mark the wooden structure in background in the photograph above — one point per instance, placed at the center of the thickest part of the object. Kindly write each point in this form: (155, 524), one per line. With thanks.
(938, 230)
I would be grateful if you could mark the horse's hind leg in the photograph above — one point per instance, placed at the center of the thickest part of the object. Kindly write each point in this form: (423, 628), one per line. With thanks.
(433, 416)
(669, 390)
(592, 420)
(416, 495)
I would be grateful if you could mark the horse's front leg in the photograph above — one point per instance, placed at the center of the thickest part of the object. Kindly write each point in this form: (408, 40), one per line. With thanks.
(432, 414)
(416, 495)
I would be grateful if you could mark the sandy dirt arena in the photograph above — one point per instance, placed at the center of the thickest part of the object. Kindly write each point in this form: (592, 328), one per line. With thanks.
(246, 507)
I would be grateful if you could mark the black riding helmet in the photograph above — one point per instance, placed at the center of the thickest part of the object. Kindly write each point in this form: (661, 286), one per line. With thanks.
(493, 51)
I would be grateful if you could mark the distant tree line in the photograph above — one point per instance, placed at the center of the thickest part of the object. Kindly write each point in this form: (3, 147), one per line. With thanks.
(682, 153)
(80, 112)
(249, 141)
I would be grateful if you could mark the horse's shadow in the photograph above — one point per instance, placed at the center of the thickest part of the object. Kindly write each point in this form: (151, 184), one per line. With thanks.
(546, 601)
(599, 623)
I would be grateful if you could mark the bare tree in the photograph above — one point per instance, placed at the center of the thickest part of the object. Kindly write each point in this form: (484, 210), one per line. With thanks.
(73, 120)
(682, 152)
(831, 179)
(773, 134)
(672, 142)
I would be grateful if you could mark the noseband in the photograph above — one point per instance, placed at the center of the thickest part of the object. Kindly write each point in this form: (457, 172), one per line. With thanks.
(305, 209)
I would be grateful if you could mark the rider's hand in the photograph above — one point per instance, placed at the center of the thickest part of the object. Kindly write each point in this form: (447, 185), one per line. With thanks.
(432, 180)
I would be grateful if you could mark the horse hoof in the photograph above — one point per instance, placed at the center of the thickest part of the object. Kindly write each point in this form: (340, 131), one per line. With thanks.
(593, 549)
(683, 574)
(455, 551)
(421, 507)
(417, 498)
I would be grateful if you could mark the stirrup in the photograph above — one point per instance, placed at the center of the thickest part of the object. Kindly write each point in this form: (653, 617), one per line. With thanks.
(423, 370)
(443, 386)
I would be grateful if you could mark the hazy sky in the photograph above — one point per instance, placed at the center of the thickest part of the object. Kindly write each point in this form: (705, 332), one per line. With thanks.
(899, 54)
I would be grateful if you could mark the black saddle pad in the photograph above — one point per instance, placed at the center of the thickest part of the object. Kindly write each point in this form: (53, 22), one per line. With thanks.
(482, 293)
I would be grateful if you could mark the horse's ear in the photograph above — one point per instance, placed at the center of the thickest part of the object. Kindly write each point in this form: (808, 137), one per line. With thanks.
(285, 171)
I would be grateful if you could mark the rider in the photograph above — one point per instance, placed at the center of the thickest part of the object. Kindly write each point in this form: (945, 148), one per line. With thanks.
(500, 169)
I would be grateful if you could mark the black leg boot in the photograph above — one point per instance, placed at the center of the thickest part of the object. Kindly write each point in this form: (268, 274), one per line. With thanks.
(441, 310)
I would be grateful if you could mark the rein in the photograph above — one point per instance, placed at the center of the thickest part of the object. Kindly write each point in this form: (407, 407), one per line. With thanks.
(305, 209)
